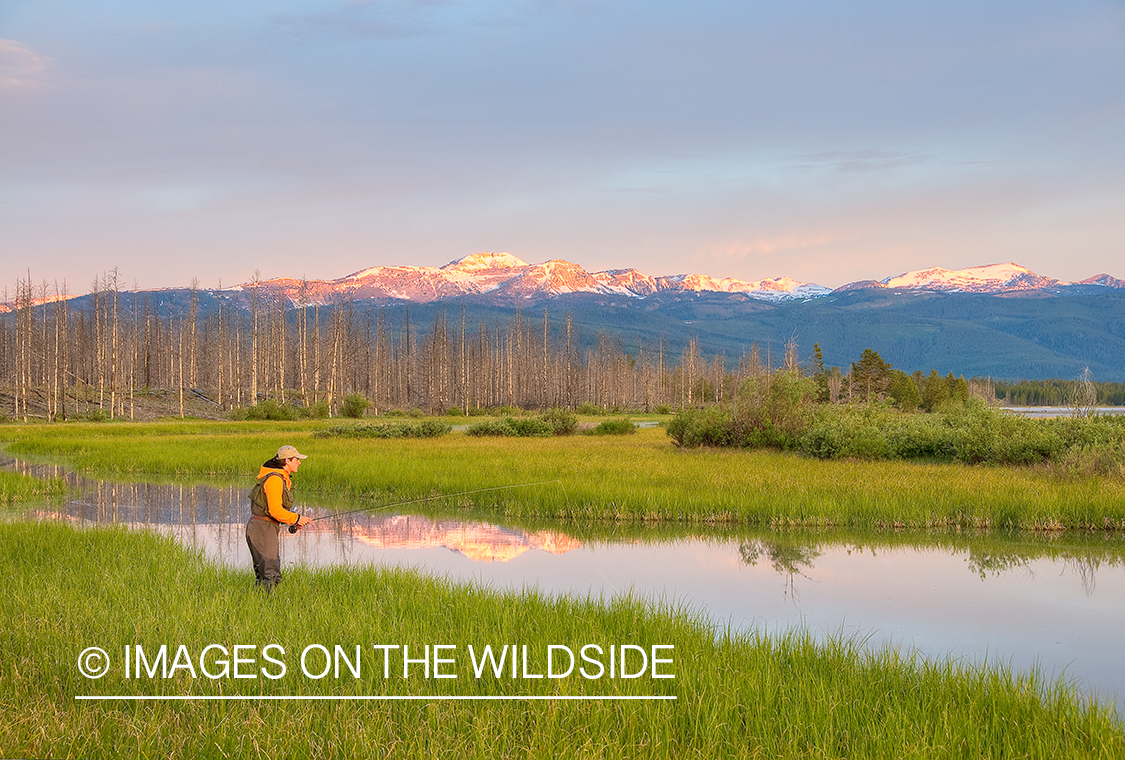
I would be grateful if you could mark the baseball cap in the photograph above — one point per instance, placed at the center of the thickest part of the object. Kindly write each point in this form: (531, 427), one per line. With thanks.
(288, 452)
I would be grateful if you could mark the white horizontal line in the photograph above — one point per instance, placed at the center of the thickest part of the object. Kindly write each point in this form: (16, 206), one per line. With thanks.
(384, 697)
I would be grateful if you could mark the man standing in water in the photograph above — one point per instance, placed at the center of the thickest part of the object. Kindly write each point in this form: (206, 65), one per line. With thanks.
(271, 505)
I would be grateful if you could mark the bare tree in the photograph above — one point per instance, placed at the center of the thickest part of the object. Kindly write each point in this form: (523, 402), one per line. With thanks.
(255, 307)
(791, 361)
(689, 364)
(835, 385)
(219, 341)
(193, 379)
(114, 358)
(303, 337)
(1082, 395)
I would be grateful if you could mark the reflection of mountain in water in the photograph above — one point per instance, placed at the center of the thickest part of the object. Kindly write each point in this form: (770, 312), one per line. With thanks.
(478, 541)
(225, 508)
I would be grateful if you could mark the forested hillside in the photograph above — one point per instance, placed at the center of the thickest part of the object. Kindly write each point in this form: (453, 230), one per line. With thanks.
(232, 348)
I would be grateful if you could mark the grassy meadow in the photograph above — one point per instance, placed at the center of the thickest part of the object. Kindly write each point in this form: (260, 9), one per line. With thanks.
(635, 478)
(16, 488)
(737, 695)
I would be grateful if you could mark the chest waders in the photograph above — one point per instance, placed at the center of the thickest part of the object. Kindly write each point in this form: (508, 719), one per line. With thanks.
(262, 532)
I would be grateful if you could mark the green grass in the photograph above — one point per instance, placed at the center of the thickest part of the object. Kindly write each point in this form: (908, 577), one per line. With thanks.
(737, 695)
(15, 488)
(637, 478)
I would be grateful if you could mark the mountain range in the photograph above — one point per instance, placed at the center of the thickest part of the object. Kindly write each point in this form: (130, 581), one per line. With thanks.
(998, 320)
(503, 279)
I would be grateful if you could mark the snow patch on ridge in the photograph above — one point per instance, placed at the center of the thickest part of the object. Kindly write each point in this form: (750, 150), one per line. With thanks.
(477, 262)
(778, 289)
(504, 276)
(990, 278)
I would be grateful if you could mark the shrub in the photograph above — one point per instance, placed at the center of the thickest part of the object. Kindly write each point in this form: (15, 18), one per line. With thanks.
(587, 409)
(354, 406)
(511, 427)
(271, 410)
(561, 421)
(433, 428)
(531, 428)
(773, 410)
(425, 429)
(491, 427)
(662, 409)
(394, 413)
(455, 411)
(1095, 459)
(983, 434)
(1088, 431)
(847, 432)
(316, 411)
(712, 426)
(617, 426)
(972, 433)
(415, 413)
(776, 412)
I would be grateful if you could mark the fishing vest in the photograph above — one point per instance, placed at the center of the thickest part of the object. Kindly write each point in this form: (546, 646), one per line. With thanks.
(258, 504)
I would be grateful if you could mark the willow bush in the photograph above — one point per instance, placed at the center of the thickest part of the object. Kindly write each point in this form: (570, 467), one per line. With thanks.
(778, 411)
(769, 411)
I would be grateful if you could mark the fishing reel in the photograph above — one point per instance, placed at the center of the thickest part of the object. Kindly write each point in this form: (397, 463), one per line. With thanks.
(295, 526)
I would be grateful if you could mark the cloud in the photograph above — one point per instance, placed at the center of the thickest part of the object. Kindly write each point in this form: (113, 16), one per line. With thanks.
(402, 19)
(365, 19)
(861, 160)
(772, 244)
(20, 68)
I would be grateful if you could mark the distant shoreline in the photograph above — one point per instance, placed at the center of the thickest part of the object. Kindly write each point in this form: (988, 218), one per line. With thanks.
(1058, 411)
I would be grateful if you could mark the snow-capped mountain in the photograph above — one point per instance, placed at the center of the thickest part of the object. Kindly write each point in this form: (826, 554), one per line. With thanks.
(1104, 280)
(991, 278)
(780, 289)
(503, 277)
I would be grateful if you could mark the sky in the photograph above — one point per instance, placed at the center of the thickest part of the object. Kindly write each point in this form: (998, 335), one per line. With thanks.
(821, 140)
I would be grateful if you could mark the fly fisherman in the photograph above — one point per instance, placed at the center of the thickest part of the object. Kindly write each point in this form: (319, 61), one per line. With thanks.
(271, 504)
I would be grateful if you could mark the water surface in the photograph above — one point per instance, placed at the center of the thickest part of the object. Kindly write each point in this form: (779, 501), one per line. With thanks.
(1023, 600)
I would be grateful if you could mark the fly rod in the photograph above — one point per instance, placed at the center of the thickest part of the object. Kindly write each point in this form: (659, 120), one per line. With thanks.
(293, 528)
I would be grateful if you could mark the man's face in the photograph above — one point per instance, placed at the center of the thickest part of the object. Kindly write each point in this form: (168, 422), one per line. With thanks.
(292, 464)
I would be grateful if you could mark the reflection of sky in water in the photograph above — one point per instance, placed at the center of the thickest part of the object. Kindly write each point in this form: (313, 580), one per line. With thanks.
(1055, 613)
(1059, 411)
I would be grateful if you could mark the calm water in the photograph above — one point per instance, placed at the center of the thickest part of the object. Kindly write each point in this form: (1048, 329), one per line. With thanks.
(1059, 411)
(1023, 600)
